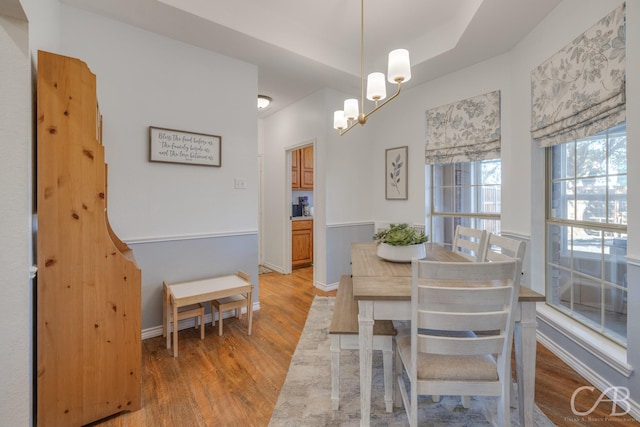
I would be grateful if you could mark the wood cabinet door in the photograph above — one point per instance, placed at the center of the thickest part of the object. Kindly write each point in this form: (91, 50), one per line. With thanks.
(295, 169)
(301, 243)
(306, 168)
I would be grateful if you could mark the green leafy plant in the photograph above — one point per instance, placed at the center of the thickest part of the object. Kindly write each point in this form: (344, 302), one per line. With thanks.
(400, 235)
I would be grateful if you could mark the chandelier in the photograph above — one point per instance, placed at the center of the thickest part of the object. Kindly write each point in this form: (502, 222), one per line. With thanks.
(399, 71)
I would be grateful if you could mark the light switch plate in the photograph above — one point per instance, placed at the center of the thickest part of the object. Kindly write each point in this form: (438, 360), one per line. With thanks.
(239, 184)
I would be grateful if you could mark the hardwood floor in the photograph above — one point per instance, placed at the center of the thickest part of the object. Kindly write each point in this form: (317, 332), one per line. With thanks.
(235, 380)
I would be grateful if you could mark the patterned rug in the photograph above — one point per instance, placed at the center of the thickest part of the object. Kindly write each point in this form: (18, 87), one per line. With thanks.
(305, 397)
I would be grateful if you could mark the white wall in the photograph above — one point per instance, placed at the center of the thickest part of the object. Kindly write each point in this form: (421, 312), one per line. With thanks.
(403, 122)
(143, 80)
(15, 226)
(299, 124)
(342, 169)
(147, 80)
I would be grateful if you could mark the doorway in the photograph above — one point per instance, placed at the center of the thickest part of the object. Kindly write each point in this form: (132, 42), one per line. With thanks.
(300, 206)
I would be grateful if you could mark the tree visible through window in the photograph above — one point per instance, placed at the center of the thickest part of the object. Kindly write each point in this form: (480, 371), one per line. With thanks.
(586, 275)
(466, 193)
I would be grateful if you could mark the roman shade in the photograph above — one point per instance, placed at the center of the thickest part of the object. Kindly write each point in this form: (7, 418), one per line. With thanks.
(580, 90)
(464, 131)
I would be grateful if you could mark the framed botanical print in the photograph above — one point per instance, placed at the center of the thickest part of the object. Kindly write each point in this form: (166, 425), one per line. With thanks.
(396, 173)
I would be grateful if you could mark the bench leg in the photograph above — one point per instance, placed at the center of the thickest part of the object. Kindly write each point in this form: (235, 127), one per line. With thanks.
(335, 371)
(387, 364)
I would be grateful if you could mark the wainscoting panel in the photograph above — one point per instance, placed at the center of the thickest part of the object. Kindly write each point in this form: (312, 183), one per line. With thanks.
(179, 260)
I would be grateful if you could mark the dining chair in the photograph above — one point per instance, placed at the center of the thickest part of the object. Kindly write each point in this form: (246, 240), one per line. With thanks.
(470, 242)
(500, 248)
(440, 356)
(234, 302)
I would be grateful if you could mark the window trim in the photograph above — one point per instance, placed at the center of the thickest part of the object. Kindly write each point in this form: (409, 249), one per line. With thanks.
(584, 335)
(601, 347)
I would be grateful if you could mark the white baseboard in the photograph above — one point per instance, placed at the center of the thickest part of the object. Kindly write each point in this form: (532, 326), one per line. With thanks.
(326, 287)
(156, 331)
(273, 267)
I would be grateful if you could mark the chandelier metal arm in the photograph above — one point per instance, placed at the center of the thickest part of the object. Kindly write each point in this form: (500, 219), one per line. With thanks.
(363, 117)
(399, 72)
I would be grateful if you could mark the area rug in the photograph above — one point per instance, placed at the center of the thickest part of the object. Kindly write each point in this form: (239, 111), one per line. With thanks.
(305, 397)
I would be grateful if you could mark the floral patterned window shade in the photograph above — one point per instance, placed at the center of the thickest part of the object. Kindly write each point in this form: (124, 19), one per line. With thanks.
(580, 90)
(464, 131)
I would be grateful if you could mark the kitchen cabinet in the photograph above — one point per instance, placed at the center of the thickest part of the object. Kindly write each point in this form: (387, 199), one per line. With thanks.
(301, 243)
(302, 168)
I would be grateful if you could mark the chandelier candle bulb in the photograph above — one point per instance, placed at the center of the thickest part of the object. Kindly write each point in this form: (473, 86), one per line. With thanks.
(399, 66)
(339, 121)
(376, 87)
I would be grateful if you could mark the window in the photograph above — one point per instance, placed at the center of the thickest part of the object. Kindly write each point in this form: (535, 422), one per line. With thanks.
(466, 194)
(586, 275)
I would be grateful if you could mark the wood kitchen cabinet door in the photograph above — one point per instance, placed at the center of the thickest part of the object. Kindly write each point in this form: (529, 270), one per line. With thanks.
(306, 168)
(302, 168)
(301, 243)
(295, 170)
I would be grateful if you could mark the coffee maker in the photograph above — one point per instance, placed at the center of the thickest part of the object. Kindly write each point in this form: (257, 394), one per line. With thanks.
(303, 202)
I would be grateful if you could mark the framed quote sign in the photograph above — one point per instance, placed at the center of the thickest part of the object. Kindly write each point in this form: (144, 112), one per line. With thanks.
(190, 148)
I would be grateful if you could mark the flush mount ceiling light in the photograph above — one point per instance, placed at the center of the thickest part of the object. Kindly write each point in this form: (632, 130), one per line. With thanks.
(263, 102)
(399, 71)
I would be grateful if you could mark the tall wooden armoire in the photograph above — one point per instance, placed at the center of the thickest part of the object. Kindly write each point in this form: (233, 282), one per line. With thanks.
(88, 284)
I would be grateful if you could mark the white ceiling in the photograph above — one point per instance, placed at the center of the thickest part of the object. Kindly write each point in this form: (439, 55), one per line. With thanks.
(301, 46)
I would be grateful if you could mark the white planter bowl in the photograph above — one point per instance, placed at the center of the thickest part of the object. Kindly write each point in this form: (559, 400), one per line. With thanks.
(402, 253)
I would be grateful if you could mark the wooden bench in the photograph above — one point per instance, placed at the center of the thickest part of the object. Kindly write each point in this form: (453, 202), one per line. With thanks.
(344, 336)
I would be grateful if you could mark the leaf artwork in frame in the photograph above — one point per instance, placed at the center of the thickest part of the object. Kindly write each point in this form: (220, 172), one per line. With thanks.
(396, 173)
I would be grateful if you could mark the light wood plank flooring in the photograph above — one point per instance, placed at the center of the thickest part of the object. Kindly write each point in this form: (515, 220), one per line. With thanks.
(234, 380)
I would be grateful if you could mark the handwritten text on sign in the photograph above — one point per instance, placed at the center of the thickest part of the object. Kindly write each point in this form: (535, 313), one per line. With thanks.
(175, 146)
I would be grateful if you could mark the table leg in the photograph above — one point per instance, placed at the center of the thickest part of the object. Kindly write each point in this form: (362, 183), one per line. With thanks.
(365, 328)
(164, 310)
(175, 329)
(167, 316)
(525, 346)
(249, 309)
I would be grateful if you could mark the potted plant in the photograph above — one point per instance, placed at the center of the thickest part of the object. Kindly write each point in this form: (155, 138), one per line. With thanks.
(401, 243)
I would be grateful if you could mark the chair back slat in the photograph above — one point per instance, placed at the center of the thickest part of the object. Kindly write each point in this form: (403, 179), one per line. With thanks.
(470, 242)
(481, 321)
(442, 345)
(491, 296)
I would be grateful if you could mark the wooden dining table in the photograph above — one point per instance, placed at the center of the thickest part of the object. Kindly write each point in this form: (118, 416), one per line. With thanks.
(383, 291)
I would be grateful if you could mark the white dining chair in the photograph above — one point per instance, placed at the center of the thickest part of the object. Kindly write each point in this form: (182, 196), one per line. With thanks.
(439, 356)
(470, 243)
(500, 248)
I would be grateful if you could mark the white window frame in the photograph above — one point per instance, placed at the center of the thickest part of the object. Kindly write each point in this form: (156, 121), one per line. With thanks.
(470, 218)
(569, 222)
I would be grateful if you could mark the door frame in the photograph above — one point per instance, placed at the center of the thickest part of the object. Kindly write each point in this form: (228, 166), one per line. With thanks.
(288, 202)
